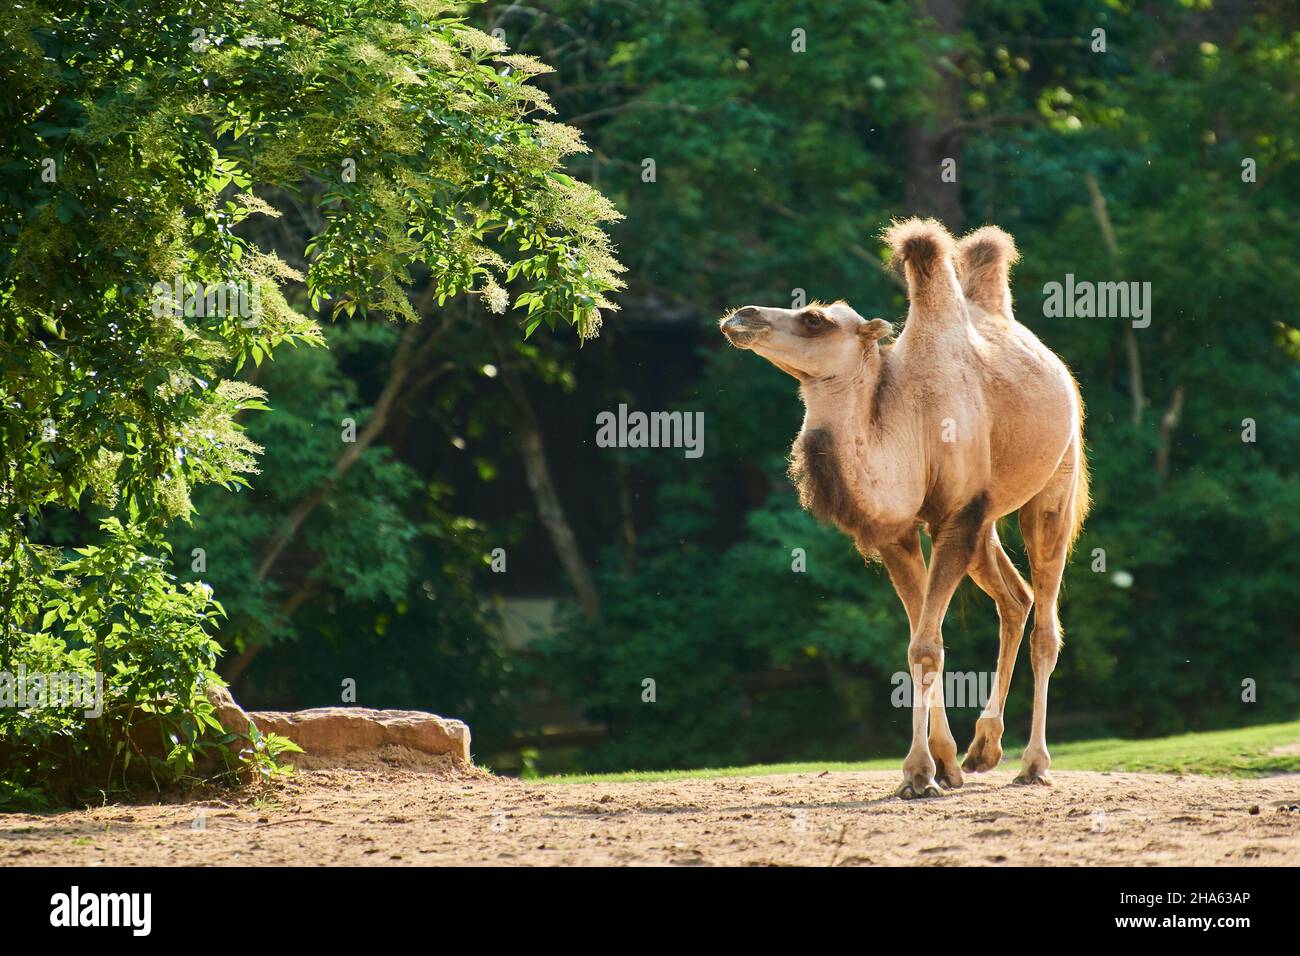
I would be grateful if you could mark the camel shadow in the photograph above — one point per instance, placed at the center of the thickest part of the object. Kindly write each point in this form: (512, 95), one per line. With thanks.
(668, 809)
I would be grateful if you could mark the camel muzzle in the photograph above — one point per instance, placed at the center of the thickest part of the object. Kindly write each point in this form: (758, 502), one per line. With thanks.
(741, 330)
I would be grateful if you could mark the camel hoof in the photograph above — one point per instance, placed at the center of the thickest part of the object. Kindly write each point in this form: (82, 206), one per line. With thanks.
(982, 756)
(918, 789)
(1029, 778)
(976, 762)
(948, 779)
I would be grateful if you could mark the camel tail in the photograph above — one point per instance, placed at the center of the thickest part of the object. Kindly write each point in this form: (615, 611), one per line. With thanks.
(1082, 477)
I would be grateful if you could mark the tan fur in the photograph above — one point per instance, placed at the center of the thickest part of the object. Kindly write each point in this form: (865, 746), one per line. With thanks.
(1083, 480)
(985, 258)
(923, 250)
(965, 418)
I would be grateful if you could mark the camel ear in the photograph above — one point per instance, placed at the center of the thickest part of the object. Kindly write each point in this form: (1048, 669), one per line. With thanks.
(985, 257)
(874, 330)
(923, 249)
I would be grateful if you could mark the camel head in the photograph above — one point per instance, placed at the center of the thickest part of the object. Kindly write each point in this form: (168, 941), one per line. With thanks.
(816, 342)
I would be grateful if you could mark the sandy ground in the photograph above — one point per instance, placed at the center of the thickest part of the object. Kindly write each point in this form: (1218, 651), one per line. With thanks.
(400, 816)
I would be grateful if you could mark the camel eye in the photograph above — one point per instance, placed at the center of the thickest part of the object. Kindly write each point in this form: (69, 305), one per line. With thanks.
(813, 320)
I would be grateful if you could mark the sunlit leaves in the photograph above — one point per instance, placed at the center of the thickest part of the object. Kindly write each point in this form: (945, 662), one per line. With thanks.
(138, 138)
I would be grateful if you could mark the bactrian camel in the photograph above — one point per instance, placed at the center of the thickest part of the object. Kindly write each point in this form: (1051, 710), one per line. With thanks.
(965, 418)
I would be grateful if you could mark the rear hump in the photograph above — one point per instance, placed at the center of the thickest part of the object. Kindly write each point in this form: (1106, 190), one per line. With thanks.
(984, 261)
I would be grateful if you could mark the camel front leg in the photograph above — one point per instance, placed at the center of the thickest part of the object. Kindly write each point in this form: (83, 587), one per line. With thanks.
(950, 556)
(943, 746)
(905, 563)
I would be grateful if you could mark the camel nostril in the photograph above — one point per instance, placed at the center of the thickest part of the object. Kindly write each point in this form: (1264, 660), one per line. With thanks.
(745, 326)
(746, 319)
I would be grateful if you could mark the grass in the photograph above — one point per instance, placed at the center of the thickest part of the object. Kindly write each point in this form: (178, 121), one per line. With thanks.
(1249, 752)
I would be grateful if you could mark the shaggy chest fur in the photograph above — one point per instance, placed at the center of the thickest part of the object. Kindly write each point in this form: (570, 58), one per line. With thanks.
(818, 475)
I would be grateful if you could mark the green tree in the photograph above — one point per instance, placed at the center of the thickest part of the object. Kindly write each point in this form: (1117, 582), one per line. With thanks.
(137, 137)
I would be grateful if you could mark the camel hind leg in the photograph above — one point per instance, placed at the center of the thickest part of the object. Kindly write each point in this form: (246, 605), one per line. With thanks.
(1047, 523)
(997, 577)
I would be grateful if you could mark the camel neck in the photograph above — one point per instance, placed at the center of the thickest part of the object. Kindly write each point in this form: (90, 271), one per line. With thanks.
(848, 404)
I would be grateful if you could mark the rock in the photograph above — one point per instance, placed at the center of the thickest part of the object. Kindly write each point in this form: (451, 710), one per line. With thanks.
(337, 731)
(234, 721)
(230, 715)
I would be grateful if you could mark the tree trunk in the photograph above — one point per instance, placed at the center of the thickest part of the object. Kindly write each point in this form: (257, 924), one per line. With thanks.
(938, 137)
(404, 360)
(239, 663)
(528, 437)
(352, 451)
(1168, 424)
(1102, 215)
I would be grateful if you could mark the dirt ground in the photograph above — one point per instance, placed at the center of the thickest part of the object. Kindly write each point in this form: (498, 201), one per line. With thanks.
(403, 816)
